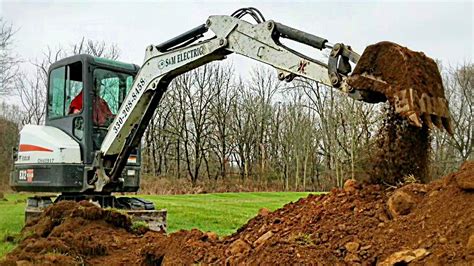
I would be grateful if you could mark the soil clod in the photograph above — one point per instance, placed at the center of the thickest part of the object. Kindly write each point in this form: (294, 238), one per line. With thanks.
(404, 257)
(238, 247)
(466, 180)
(400, 203)
(352, 246)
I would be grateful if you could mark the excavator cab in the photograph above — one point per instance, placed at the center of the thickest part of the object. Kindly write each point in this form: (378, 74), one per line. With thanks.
(83, 98)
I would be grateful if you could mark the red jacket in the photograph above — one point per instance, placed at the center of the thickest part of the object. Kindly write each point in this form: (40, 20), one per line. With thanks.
(100, 113)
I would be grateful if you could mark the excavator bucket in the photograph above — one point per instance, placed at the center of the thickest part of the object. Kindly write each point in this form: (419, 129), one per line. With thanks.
(410, 81)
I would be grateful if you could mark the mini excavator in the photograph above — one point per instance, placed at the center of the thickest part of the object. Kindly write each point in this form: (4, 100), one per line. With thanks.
(98, 109)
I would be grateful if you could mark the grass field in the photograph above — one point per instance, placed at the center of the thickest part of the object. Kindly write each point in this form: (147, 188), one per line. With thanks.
(222, 213)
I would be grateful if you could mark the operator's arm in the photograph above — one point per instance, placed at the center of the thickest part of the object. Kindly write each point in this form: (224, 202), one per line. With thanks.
(232, 35)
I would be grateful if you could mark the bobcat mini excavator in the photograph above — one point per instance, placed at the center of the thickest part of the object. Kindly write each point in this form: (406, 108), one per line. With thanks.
(98, 109)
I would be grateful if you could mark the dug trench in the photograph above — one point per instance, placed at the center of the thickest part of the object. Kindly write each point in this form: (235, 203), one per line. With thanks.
(367, 224)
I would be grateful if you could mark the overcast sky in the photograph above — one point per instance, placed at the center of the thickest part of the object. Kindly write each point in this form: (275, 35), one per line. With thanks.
(443, 30)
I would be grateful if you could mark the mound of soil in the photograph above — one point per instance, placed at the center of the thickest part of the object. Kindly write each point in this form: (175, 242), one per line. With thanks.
(77, 233)
(424, 223)
(368, 224)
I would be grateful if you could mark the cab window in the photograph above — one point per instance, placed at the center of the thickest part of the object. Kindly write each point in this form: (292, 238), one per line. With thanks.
(112, 87)
(65, 91)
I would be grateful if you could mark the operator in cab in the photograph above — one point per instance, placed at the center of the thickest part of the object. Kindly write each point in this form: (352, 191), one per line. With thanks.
(101, 112)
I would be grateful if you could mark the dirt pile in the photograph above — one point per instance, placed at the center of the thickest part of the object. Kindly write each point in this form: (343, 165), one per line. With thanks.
(409, 80)
(418, 223)
(76, 233)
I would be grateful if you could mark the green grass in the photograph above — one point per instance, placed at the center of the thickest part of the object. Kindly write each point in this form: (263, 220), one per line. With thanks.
(11, 219)
(222, 213)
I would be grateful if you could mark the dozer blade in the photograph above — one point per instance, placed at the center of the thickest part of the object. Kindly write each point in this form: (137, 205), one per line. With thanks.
(155, 219)
(410, 81)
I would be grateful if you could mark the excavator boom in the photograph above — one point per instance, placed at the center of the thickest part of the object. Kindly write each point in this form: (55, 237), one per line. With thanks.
(163, 62)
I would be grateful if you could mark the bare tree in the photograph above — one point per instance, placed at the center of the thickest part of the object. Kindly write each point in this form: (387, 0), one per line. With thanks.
(450, 151)
(8, 60)
(322, 102)
(462, 107)
(243, 130)
(9, 125)
(11, 112)
(158, 140)
(96, 48)
(195, 93)
(265, 85)
(225, 96)
(32, 94)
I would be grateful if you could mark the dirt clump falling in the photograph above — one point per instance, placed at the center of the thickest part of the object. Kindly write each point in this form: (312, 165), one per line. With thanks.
(412, 84)
(433, 224)
(401, 152)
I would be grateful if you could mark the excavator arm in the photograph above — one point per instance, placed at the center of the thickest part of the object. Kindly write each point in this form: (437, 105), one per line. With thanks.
(163, 62)
(261, 42)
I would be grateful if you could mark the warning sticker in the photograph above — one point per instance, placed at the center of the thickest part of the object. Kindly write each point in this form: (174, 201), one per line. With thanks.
(29, 175)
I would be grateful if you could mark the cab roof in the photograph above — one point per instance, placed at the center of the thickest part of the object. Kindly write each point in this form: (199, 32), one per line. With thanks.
(94, 60)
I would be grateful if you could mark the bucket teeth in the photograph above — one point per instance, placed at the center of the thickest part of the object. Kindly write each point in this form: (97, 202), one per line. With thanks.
(437, 121)
(427, 120)
(448, 124)
(414, 119)
(429, 110)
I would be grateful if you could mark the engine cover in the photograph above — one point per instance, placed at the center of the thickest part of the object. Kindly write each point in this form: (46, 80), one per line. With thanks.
(48, 160)
(47, 145)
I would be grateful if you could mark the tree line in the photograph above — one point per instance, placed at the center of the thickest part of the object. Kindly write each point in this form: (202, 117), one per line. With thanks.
(304, 135)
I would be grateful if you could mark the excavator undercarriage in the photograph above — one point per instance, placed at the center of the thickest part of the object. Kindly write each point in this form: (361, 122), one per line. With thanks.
(138, 209)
